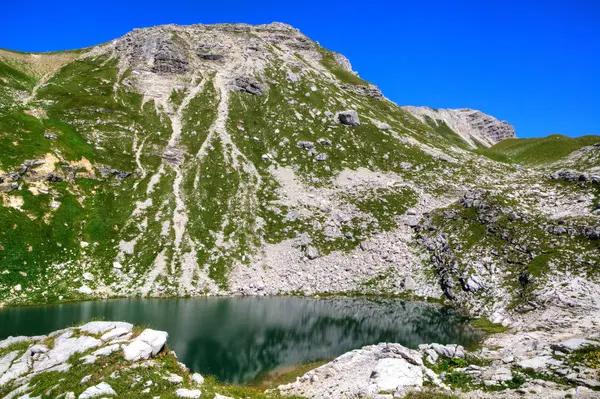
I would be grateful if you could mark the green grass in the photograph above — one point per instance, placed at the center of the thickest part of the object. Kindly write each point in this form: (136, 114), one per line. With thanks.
(537, 151)
(487, 326)
(588, 355)
(429, 395)
(445, 132)
(287, 376)
(343, 75)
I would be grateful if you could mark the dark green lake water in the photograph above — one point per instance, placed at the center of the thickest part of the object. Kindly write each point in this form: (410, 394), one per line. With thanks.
(239, 339)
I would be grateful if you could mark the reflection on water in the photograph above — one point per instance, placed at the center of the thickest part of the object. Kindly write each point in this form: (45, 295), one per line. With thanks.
(236, 339)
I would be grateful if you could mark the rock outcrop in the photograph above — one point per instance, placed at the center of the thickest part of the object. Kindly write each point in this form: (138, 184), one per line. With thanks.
(389, 368)
(97, 359)
(473, 126)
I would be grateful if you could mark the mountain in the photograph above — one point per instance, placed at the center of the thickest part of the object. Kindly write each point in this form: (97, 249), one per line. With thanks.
(239, 159)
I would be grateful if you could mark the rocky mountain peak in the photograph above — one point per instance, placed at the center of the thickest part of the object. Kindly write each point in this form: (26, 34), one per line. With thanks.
(168, 57)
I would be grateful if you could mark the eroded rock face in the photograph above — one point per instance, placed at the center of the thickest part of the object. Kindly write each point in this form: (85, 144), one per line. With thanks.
(170, 58)
(248, 85)
(472, 125)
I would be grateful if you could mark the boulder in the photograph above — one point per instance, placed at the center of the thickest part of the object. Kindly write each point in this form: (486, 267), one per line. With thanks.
(248, 85)
(364, 373)
(84, 289)
(450, 351)
(306, 145)
(572, 345)
(311, 252)
(146, 345)
(536, 363)
(409, 284)
(389, 374)
(349, 118)
(188, 393)
(382, 125)
(102, 389)
(197, 379)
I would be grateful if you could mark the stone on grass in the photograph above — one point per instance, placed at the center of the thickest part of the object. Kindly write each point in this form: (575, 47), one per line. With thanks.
(197, 379)
(84, 289)
(188, 393)
(349, 118)
(101, 389)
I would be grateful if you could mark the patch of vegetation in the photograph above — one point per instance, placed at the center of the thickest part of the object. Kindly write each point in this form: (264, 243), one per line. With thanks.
(385, 204)
(588, 356)
(531, 374)
(537, 151)
(487, 326)
(446, 133)
(427, 394)
(343, 75)
(286, 376)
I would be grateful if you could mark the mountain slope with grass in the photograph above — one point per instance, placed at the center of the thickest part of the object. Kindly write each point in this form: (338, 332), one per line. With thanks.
(239, 159)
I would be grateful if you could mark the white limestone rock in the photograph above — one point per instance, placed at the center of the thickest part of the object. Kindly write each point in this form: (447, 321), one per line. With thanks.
(147, 344)
(100, 327)
(173, 378)
(364, 372)
(390, 374)
(102, 389)
(573, 344)
(63, 349)
(107, 350)
(19, 367)
(197, 379)
(188, 393)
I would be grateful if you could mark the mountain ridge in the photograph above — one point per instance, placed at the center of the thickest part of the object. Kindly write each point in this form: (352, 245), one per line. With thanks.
(239, 159)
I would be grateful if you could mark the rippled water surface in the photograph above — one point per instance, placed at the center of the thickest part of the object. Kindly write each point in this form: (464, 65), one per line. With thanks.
(239, 339)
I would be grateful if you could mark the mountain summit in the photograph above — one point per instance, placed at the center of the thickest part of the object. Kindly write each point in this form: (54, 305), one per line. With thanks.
(239, 159)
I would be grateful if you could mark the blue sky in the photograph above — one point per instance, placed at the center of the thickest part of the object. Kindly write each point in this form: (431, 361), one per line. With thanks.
(535, 64)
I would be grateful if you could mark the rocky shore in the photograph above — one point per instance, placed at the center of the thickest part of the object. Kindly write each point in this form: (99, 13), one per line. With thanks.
(104, 359)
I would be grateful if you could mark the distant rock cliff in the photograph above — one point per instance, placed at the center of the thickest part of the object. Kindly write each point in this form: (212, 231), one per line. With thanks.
(473, 126)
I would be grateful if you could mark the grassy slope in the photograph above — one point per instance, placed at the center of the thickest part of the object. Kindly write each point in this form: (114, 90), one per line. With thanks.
(537, 151)
(93, 120)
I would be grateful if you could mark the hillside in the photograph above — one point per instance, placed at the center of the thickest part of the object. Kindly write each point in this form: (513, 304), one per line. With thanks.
(238, 159)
